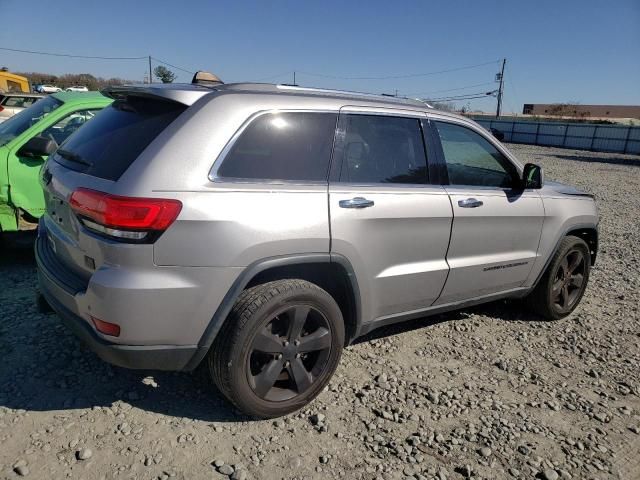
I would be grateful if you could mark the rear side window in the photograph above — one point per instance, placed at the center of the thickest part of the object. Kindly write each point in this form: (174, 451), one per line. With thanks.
(107, 145)
(283, 146)
(382, 149)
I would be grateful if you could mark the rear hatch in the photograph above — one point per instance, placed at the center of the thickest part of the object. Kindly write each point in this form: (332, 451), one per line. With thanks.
(85, 225)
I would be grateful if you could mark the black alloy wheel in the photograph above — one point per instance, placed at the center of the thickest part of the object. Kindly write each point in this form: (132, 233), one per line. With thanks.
(563, 283)
(278, 348)
(569, 280)
(289, 353)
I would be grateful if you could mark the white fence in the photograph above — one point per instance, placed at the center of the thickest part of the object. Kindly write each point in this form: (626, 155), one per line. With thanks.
(582, 136)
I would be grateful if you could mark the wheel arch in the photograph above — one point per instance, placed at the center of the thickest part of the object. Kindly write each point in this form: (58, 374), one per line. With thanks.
(587, 231)
(590, 236)
(331, 272)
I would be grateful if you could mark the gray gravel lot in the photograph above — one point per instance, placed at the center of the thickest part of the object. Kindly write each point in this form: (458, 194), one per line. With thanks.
(488, 392)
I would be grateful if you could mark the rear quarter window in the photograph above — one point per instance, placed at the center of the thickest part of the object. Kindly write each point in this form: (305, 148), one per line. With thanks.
(290, 146)
(107, 145)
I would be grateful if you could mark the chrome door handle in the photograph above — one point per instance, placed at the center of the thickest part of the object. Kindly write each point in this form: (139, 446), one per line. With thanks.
(470, 203)
(356, 202)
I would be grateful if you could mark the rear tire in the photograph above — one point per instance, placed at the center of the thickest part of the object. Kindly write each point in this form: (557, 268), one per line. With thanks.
(278, 348)
(563, 284)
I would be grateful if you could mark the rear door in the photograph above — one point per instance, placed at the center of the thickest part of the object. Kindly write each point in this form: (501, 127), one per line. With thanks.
(496, 225)
(387, 217)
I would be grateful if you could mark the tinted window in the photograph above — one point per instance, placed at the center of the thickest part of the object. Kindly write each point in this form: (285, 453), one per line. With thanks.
(381, 149)
(283, 146)
(109, 143)
(472, 160)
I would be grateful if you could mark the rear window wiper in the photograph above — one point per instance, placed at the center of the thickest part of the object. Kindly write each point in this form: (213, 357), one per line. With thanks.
(73, 157)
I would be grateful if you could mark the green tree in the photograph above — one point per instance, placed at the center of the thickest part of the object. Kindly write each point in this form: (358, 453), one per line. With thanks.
(164, 74)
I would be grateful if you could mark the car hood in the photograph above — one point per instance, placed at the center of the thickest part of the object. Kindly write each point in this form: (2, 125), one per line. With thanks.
(562, 189)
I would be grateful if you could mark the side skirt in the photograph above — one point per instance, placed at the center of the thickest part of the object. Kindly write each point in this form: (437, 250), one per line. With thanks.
(402, 317)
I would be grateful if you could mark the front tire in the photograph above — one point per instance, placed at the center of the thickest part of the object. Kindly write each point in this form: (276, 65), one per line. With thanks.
(278, 348)
(563, 284)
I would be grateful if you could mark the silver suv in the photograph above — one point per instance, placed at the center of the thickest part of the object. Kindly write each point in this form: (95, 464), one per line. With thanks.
(259, 229)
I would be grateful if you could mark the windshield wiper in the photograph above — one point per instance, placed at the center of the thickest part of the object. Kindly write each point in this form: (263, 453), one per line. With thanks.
(73, 157)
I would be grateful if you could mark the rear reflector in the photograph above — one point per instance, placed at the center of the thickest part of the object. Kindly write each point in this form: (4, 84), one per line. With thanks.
(125, 218)
(106, 328)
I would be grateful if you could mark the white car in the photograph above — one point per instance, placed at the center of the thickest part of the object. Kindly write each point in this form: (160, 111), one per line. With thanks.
(12, 103)
(77, 88)
(49, 89)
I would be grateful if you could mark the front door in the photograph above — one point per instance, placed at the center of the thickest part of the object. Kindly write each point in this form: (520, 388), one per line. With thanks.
(496, 225)
(386, 217)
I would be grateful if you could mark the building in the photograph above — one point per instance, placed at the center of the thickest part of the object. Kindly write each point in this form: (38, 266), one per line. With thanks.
(581, 111)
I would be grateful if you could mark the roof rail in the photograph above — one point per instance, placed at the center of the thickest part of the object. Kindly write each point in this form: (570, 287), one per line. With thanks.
(329, 91)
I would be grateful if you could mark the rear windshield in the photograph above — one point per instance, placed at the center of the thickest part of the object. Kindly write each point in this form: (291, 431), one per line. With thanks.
(109, 144)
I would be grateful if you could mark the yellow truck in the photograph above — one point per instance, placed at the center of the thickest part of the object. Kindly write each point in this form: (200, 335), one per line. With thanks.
(10, 83)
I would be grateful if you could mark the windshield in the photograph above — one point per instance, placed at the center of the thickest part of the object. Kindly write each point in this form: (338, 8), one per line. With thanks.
(20, 122)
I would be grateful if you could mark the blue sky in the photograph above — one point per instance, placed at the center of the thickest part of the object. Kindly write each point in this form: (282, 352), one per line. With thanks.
(584, 51)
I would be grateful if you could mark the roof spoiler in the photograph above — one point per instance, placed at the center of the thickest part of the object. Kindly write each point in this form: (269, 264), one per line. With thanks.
(155, 91)
(206, 78)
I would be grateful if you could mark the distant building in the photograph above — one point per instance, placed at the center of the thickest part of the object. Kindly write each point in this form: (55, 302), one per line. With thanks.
(581, 111)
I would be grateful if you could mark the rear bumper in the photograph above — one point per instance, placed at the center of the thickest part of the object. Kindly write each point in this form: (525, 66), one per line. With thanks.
(59, 291)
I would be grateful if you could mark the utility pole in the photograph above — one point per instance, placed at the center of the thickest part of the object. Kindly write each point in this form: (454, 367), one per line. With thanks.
(294, 78)
(500, 77)
(151, 77)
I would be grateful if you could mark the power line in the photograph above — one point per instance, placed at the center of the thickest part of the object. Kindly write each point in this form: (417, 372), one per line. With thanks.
(272, 77)
(173, 66)
(468, 96)
(391, 77)
(70, 55)
(95, 57)
(448, 89)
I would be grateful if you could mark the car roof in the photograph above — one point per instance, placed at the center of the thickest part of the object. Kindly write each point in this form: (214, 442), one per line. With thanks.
(75, 96)
(189, 93)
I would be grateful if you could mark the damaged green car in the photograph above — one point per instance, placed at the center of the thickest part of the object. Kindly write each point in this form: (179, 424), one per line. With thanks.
(26, 140)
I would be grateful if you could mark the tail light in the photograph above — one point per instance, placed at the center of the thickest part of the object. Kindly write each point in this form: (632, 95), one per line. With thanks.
(1, 108)
(128, 219)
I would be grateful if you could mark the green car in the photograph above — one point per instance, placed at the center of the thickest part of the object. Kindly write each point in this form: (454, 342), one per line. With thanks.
(26, 139)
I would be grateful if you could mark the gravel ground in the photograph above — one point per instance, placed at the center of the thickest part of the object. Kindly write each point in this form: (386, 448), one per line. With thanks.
(488, 392)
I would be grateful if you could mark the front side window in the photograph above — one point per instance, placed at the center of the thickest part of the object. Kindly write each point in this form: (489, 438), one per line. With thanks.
(382, 149)
(292, 146)
(472, 160)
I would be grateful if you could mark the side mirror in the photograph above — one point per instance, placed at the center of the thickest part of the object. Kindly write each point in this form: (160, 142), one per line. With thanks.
(532, 176)
(38, 147)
